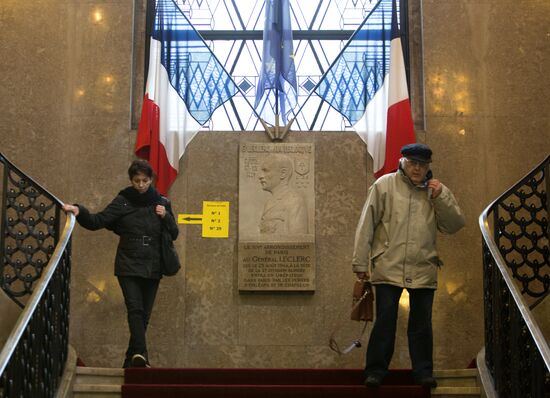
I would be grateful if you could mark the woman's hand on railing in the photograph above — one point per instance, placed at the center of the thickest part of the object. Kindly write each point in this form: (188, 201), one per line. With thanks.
(71, 209)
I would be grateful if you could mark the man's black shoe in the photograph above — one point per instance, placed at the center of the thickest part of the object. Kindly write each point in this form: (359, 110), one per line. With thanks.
(373, 381)
(138, 361)
(428, 382)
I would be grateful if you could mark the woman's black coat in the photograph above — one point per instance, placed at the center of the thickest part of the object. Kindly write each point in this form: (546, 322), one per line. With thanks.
(139, 228)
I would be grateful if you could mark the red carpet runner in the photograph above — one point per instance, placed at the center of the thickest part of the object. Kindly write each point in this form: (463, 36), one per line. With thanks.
(265, 383)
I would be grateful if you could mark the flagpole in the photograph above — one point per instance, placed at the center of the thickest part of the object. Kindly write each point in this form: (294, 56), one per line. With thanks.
(276, 100)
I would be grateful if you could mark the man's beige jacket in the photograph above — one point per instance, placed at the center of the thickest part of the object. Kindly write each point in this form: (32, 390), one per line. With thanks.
(396, 235)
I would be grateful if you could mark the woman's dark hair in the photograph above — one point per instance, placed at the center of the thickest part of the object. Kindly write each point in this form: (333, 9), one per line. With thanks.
(140, 166)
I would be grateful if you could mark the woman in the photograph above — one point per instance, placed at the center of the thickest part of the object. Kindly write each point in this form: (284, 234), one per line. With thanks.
(137, 215)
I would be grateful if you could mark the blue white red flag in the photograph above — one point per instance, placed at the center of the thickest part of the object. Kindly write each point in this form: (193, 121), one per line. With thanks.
(276, 91)
(367, 84)
(185, 85)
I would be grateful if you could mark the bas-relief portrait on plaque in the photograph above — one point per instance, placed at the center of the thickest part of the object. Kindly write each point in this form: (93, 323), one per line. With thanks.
(276, 217)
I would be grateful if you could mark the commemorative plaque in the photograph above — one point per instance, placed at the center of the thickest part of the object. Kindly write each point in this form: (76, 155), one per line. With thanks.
(276, 217)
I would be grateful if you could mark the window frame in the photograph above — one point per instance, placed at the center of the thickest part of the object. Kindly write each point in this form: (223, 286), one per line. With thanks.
(411, 33)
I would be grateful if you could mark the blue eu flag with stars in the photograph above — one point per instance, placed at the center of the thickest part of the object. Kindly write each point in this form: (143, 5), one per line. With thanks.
(277, 87)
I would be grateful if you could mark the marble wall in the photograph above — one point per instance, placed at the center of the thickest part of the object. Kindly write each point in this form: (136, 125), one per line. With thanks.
(65, 96)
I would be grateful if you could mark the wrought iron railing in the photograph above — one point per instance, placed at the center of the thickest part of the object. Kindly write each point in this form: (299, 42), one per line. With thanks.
(516, 276)
(35, 274)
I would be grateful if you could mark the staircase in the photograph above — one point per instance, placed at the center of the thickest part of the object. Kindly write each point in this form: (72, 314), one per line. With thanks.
(516, 260)
(98, 382)
(107, 383)
(35, 252)
(456, 383)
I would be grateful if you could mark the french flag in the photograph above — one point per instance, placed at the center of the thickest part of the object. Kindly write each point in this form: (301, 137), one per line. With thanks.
(367, 84)
(185, 85)
(387, 123)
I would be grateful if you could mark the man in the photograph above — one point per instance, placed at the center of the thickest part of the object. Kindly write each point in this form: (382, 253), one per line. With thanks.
(396, 238)
(285, 213)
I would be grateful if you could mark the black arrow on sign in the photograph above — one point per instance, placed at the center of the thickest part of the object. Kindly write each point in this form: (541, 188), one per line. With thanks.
(192, 219)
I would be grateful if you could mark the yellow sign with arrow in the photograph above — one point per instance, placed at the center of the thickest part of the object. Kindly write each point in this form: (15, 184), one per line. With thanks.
(214, 219)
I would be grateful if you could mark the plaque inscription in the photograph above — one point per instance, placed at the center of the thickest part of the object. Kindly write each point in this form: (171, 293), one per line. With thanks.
(276, 266)
(276, 217)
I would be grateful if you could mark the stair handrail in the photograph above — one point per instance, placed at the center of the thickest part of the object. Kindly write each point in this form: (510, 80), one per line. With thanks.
(34, 355)
(31, 305)
(516, 352)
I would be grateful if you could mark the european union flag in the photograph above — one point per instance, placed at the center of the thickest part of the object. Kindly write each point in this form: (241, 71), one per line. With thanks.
(277, 87)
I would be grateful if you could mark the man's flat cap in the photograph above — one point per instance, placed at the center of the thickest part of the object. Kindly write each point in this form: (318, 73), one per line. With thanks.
(420, 152)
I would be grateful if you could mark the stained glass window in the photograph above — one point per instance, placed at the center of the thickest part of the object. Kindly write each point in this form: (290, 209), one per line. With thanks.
(233, 31)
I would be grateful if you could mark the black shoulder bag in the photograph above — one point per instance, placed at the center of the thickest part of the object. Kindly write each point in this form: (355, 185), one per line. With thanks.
(169, 259)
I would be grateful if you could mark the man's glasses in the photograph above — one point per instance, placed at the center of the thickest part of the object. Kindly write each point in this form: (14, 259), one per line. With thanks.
(416, 163)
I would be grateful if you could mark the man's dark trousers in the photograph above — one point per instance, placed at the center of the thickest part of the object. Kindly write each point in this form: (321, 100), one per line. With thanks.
(419, 331)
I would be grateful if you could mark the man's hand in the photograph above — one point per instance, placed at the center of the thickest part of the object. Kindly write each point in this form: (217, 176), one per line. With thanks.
(436, 187)
(362, 275)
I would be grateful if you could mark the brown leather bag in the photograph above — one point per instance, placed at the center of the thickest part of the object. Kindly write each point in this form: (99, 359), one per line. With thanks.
(362, 310)
(363, 298)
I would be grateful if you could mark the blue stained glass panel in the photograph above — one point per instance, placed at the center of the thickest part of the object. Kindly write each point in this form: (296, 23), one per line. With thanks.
(241, 57)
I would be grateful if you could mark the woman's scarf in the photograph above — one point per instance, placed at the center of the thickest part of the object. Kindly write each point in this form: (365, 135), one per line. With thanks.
(148, 198)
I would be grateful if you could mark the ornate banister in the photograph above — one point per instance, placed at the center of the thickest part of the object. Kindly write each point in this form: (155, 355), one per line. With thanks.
(516, 275)
(35, 274)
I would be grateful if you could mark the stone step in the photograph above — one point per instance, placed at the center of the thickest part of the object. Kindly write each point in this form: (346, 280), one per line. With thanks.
(87, 375)
(112, 391)
(107, 382)
(456, 377)
(456, 392)
(96, 391)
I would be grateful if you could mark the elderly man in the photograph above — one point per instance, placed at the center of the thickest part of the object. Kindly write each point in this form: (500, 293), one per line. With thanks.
(396, 238)
(285, 213)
